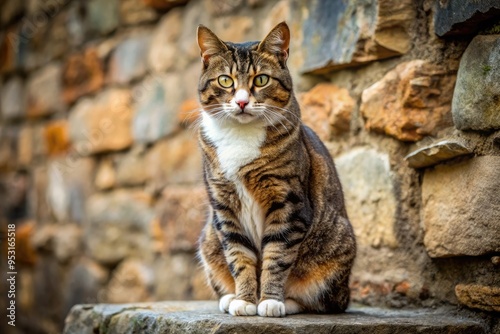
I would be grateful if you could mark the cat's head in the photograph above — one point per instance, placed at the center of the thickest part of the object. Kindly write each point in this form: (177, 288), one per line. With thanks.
(246, 82)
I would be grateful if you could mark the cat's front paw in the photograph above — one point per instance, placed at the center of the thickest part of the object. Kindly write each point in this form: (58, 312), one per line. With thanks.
(225, 301)
(271, 308)
(241, 307)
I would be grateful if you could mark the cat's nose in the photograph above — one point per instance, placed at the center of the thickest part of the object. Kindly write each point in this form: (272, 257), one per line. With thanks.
(242, 104)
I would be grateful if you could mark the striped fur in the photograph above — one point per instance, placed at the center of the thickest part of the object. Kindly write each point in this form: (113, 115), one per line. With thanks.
(277, 240)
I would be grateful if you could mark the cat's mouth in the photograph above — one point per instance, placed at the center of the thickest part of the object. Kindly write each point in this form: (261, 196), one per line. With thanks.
(243, 116)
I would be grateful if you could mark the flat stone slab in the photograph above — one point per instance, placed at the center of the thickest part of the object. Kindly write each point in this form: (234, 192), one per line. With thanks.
(195, 317)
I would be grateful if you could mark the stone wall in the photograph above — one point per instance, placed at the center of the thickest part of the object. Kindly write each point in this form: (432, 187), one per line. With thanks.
(100, 170)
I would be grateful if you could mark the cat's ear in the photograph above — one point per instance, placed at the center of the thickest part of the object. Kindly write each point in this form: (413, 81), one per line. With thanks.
(277, 41)
(209, 43)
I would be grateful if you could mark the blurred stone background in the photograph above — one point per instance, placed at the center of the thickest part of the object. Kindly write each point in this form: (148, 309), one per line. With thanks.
(100, 170)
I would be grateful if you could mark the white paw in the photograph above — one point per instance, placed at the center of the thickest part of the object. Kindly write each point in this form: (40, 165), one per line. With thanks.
(292, 307)
(225, 301)
(271, 308)
(241, 307)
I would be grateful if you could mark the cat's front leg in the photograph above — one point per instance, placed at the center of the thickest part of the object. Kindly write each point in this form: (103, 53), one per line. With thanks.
(241, 259)
(280, 246)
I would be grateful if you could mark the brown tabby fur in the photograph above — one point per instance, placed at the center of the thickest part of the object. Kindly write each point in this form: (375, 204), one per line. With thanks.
(304, 257)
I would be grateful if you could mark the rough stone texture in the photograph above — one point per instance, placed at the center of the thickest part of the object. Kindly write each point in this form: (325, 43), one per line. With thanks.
(44, 91)
(163, 54)
(67, 188)
(481, 297)
(410, 102)
(102, 16)
(25, 146)
(131, 282)
(327, 110)
(82, 74)
(13, 101)
(476, 98)
(204, 317)
(470, 226)
(458, 18)
(368, 186)
(360, 32)
(56, 137)
(175, 161)
(118, 225)
(129, 60)
(67, 242)
(222, 7)
(102, 123)
(435, 153)
(157, 100)
(181, 213)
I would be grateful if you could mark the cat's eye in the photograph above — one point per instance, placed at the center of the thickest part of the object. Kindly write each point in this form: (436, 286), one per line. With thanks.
(261, 80)
(225, 81)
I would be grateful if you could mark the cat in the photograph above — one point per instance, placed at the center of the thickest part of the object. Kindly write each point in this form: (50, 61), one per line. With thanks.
(277, 240)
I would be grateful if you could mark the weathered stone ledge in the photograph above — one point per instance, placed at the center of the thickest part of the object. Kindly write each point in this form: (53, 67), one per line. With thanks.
(204, 317)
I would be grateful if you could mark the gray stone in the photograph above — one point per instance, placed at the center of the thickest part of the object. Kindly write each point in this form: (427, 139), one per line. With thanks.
(204, 317)
(67, 242)
(461, 210)
(459, 17)
(118, 225)
(435, 153)
(129, 60)
(475, 104)
(369, 192)
(68, 188)
(164, 54)
(131, 168)
(85, 283)
(102, 16)
(12, 99)
(338, 34)
(157, 100)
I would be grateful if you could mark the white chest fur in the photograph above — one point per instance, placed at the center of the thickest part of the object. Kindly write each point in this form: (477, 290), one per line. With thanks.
(238, 145)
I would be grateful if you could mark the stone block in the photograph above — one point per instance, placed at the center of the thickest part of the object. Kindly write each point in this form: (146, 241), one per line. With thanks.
(327, 109)
(25, 252)
(156, 102)
(369, 192)
(205, 317)
(106, 175)
(133, 12)
(67, 242)
(82, 74)
(410, 102)
(480, 297)
(163, 54)
(56, 137)
(85, 284)
(13, 43)
(102, 16)
(68, 187)
(477, 92)
(132, 281)
(102, 123)
(181, 212)
(131, 168)
(339, 34)
(118, 225)
(175, 160)
(8, 142)
(461, 211)
(44, 91)
(13, 99)
(164, 4)
(435, 153)
(222, 7)
(9, 9)
(25, 151)
(129, 59)
(459, 18)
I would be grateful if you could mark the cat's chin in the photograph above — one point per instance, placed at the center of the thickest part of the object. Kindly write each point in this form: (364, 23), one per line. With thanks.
(244, 118)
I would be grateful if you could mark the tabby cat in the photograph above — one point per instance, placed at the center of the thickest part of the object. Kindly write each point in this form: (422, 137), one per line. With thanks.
(277, 240)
